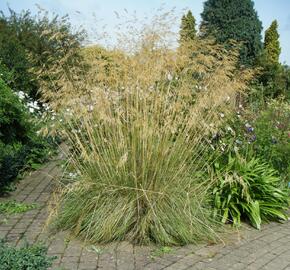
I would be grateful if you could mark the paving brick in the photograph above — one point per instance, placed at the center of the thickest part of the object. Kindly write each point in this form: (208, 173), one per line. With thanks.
(155, 266)
(87, 266)
(249, 250)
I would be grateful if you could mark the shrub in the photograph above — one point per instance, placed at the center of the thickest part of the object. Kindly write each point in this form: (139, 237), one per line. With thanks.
(273, 81)
(263, 133)
(24, 258)
(272, 131)
(248, 188)
(5, 74)
(14, 56)
(29, 45)
(12, 161)
(14, 123)
(20, 146)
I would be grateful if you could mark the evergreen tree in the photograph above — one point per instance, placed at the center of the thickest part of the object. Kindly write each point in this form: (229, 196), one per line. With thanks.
(274, 75)
(187, 28)
(272, 47)
(237, 20)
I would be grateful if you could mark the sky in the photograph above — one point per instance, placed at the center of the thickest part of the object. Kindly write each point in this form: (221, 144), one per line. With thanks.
(81, 12)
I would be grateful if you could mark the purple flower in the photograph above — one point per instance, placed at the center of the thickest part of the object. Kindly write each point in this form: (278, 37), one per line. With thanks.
(253, 138)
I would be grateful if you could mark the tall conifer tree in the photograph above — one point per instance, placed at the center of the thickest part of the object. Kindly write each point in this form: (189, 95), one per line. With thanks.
(187, 28)
(234, 20)
(272, 47)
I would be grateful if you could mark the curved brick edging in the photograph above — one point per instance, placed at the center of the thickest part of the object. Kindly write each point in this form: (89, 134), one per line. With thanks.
(268, 249)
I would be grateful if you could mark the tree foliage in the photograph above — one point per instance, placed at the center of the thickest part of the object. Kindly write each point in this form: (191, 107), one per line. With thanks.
(187, 28)
(274, 77)
(272, 47)
(234, 20)
(15, 58)
(30, 44)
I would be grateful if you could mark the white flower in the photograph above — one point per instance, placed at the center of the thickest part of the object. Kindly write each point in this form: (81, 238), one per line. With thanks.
(46, 106)
(21, 95)
(36, 105)
(169, 77)
(151, 88)
(52, 118)
(31, 110)
(90, 108)
(236, 148)
(72, 175)
(222, 115)
(239, 142)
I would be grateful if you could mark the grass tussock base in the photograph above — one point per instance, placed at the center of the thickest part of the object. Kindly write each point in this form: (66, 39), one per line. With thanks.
(139, 142)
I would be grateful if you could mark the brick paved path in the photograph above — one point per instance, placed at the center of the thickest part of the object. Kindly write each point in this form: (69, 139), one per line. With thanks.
(248, 249)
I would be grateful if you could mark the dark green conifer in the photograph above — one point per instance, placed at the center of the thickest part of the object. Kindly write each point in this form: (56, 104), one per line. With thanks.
(237, 20)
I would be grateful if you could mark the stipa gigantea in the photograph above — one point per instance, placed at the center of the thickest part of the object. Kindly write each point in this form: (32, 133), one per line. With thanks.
(141, 147)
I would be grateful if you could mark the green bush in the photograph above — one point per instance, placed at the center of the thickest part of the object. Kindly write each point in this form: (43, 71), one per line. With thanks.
(25, 258)
(5, 74)
(20, 146)
(264, 133)
(14, 123)
(248, 189)
(30, 44)
(12, 161)
(272, 131)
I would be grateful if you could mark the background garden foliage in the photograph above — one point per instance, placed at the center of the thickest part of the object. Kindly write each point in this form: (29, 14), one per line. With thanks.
(234, 20)
(28, 45)
(20, 146)
(165, 143)
(187, 28)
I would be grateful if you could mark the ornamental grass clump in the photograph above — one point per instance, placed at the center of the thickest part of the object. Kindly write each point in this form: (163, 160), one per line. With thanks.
(138, 139)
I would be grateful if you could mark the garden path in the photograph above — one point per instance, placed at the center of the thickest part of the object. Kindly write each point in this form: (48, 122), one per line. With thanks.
(247, 249)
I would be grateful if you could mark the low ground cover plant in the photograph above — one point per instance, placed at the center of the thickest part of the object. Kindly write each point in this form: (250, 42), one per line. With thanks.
(24, 258)
(13, 207)
(249, 189)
